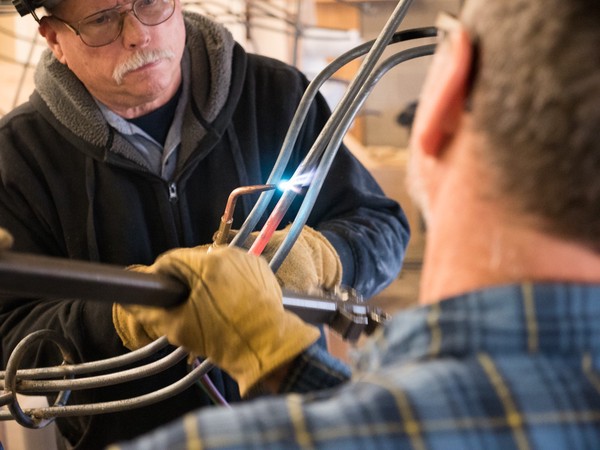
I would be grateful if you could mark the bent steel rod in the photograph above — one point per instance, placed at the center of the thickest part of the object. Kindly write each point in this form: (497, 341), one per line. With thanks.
(48, 277)
(302, 111)
(65, 370)
(335, 141)
(30, 417)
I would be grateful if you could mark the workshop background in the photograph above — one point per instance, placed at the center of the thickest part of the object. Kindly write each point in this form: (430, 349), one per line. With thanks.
(307, 34)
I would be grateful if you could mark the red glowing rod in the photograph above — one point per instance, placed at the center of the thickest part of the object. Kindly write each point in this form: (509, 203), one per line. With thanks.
(291, 189)
(272, 223)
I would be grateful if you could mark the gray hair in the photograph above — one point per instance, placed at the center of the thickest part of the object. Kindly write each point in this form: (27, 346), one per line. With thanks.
(536, 96)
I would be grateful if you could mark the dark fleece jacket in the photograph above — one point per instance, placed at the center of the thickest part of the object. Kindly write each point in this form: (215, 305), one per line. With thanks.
(71, 187)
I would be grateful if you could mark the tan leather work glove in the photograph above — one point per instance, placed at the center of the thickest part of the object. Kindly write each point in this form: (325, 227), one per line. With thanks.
(133, 334)
(6, 239)
(312, 265)
(233, 315)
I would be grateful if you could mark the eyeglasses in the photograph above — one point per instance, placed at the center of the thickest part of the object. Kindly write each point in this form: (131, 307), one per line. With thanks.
(106, 26)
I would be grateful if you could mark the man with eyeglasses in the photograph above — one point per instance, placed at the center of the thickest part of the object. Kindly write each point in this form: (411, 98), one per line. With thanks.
(144, 119)
(504, 351)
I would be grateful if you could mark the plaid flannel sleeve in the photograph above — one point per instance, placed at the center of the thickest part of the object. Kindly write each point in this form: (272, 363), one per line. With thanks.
(315, 369)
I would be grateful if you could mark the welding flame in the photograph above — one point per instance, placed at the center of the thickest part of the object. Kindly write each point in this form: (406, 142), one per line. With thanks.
(296, 183)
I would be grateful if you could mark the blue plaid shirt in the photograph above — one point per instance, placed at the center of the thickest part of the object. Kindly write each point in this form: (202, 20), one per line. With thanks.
(514, 367)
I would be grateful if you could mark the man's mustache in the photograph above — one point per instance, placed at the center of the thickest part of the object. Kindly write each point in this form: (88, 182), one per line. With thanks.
(139, 59)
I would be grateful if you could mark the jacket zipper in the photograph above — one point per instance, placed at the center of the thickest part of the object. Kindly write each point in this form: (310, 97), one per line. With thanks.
(173, 192)
(175, 213)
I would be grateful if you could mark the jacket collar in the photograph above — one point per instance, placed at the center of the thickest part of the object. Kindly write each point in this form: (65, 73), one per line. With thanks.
(210, 46)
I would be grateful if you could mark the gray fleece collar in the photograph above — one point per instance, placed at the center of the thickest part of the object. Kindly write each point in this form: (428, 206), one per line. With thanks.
(211, 49)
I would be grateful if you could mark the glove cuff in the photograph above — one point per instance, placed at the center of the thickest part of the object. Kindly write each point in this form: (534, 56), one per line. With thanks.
(132, 333)
(293, 338)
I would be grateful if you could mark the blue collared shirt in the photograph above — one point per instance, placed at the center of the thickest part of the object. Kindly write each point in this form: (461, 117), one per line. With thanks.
(513, 367)
(160, 160)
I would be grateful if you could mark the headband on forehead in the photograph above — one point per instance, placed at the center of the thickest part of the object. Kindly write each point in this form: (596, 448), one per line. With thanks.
(25, 7)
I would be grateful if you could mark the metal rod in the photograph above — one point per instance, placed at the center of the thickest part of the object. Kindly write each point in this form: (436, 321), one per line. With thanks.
(136, 373)
(107, 364)
(227, 218)
(117, 405)
(335, 141)
(50, 277)
(301, 113)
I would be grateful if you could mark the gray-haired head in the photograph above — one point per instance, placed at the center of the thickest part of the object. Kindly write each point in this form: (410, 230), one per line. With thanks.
(535, 95)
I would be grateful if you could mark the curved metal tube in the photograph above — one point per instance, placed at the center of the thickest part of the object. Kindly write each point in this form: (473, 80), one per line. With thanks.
(37, 418)
(300, 116)
(44, 386)
(118, 405)
(89, 367)
(327, 159)
(11, 375)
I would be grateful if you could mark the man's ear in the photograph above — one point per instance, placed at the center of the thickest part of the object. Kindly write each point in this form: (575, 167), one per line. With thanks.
(47, 30)
(444, 93)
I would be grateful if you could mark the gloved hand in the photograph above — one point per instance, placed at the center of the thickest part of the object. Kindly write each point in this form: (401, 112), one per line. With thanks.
(312, 265)
(6, 239)
(233, 315)
(133, 334)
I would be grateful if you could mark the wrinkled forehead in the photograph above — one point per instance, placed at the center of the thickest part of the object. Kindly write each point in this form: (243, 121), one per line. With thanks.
(77, 9)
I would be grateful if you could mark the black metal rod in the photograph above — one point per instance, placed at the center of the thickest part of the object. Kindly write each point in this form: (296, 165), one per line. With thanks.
(38, 276)
(31, 275)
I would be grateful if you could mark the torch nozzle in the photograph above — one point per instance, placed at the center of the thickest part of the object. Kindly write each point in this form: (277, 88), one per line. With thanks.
(227, 218)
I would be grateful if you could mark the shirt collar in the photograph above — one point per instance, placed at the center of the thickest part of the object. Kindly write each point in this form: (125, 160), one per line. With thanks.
(521, 318)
